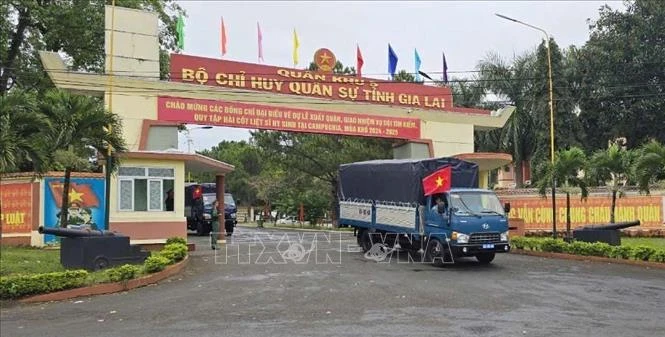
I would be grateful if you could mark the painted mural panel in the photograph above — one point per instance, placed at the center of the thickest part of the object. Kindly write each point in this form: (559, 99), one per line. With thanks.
(86, 200)
(16, 203)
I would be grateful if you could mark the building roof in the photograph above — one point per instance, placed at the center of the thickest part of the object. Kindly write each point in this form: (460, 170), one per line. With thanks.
(194, 162)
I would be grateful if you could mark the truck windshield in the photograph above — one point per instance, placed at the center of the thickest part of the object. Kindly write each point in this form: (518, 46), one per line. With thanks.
(476, 203)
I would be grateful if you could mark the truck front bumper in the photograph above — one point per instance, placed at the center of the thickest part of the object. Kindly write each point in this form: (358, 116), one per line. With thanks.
(474, 249)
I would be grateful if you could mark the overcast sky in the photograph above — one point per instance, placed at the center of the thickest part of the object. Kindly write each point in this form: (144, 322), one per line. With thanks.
(464, 30)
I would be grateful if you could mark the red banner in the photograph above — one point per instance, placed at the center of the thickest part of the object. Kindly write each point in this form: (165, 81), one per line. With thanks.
(251, 76)
(256, 116)
(16, 203)
(537, 212)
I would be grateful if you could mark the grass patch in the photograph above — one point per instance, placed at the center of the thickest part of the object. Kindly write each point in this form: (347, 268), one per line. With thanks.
(25, 260)
(655, 243)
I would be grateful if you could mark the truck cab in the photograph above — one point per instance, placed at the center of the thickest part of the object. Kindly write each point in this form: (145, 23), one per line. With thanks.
(199, 198)
(472, 221)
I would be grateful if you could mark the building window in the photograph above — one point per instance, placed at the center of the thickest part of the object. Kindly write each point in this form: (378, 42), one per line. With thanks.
(144, 189)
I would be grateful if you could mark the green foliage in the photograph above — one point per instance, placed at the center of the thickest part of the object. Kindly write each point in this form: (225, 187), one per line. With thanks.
(20, 132)
(650, 164)
(658, 256)
(176, 239)
(552, 245)
(405, 76)
(642, 253)
(155, 263)
(23, 285)
(28, 260)
(621, 252)
(123, 273)
(174, 252)
(339, 68)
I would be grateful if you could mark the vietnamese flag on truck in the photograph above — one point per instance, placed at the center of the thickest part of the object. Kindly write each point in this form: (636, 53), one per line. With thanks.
(438, 182)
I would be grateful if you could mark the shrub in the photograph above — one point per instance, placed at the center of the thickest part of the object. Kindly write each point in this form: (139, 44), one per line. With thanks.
(621, 252)
(552, 245)
(658, 256)
(642, 253)
(122, 273)
(22, 285)
(155, 263)
(518, 242)
(174, 252)
(176, 239)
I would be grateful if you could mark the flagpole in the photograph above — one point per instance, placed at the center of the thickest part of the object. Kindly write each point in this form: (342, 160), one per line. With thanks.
(109, 160)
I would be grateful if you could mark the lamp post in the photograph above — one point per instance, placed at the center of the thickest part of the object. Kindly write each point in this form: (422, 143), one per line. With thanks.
(551, 103)
(189, 143)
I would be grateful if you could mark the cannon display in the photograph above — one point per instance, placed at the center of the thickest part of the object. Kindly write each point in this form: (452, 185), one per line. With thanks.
(608, 233)
(94, 249)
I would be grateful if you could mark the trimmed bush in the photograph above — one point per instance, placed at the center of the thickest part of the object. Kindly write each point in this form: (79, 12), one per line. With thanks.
(123, 273)
(176, 239)
(22, 285)
(174, 252)
(621, 252)
(155, 263)
(552, 245)
(658, 256)
(642, 253)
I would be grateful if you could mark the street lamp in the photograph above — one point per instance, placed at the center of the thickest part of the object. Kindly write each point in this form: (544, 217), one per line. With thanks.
(551, 101)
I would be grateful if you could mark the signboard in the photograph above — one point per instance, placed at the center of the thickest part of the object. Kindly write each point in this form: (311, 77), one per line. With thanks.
(86, 199)
(250, 76)
(16, 202)
(256, 116)
(537, 212)
(325, 60)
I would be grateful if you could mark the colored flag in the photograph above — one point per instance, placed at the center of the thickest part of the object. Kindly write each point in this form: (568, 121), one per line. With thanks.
(296, 45)
(445, 69)
(438, 182)
(425, 75)
(417, 59)
(392, 61)
(79, 194)
(359, 61)
(223, 38)
(260, 38)
(180, 30)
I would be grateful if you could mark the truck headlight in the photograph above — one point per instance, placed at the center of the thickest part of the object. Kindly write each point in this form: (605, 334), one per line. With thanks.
(504, 236)
(460, 237)
(233, 215)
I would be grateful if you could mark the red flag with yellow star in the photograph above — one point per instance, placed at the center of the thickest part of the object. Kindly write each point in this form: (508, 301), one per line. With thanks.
(438, 182)
(81, 195)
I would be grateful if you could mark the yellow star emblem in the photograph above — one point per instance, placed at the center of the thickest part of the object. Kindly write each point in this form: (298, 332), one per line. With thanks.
(439, 181)
(325, 58)
(75, 196)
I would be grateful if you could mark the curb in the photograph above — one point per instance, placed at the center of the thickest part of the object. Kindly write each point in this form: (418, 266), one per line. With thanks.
(107, 288)
(564, 256)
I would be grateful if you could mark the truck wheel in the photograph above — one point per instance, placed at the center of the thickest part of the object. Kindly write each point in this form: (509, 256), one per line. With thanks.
(200, 228)
(485, 258)
(101, 263)
(437, 253)
(365, 241)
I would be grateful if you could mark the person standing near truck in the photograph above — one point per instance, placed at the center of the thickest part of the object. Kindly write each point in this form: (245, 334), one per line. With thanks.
(215, 224)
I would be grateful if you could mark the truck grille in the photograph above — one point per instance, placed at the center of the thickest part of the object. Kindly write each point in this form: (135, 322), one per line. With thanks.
(485, 237)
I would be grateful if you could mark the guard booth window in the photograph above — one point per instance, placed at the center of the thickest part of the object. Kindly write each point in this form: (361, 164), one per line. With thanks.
(143, 189)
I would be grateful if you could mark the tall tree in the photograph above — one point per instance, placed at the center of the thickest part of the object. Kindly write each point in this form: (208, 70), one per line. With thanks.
(79, 125)
(511, 82)
(650, 164)
(32, 25)
(612, 167)
(21, 130)
(566, 169)
(622, 82)
(339, 68)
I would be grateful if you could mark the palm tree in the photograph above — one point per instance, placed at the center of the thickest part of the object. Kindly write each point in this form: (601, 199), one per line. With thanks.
(566, 168)
(20, 132)
(79, 125)
(507, 81)
(650, 165)
(612, 168)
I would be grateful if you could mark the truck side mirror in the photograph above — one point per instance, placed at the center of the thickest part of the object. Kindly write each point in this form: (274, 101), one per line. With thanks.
(506, 207)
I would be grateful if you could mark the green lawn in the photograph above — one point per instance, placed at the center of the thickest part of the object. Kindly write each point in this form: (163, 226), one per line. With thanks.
(657, 243)
(21, 260)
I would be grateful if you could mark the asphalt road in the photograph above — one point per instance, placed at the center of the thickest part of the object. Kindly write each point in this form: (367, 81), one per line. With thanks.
(258, 290)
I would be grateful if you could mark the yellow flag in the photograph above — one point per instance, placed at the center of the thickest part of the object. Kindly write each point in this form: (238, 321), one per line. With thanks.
(296, 45)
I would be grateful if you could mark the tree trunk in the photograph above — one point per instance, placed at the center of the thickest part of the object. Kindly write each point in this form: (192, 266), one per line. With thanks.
(14, 49)
(567, 215)
(519, 177)
(64, 209)
(614, 203)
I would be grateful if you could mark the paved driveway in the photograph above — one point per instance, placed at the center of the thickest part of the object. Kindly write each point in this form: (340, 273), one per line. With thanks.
(258, 290)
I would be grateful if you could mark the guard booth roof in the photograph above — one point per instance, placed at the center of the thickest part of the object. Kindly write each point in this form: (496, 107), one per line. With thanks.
(399, 180)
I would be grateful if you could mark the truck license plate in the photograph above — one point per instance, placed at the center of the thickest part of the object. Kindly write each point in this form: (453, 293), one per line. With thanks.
(488, 246)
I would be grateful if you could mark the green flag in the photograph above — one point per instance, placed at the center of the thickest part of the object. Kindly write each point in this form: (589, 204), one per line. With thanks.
(180, 29)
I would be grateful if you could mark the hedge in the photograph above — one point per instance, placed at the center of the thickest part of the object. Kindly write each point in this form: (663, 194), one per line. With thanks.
(123, 273)
(22, 285)
(640, 253)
